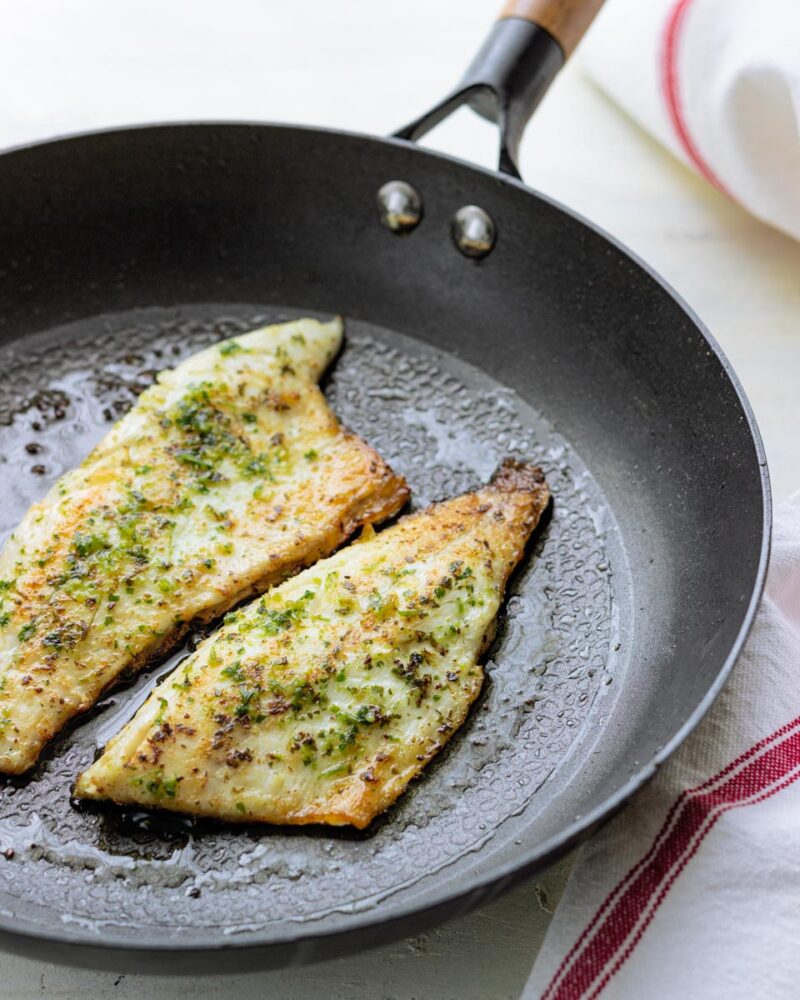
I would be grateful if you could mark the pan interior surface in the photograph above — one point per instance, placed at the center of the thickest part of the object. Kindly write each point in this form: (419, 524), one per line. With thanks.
(559, 347)
(445, 426)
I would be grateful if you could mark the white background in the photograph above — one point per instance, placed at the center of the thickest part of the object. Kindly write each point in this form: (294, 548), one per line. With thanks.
(67, 65)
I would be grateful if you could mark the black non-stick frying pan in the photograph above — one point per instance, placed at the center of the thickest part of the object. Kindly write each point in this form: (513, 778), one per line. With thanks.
(483, 320)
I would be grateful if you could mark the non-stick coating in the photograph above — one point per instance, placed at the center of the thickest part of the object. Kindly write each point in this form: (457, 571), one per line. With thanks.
(565, 319)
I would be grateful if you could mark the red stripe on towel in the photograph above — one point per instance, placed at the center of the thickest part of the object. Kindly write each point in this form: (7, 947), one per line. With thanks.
(613, 933)
(670, 85)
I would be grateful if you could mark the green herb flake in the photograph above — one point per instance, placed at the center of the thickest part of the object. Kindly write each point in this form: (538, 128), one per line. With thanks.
(335, 769)
(157, 785)
(27, 630)
(230, 347)
(280, 621)
(234, 672)
(170, 786)
(87, 545)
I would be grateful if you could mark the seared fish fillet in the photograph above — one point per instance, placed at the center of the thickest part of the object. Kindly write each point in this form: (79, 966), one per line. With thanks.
(319, 702)
(228, 475)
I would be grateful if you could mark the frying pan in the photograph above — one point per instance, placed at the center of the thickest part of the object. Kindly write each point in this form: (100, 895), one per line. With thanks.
(483, 320)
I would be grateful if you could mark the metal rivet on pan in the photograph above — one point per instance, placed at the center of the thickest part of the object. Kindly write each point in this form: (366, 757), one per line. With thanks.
(400, 206)
(473, 231)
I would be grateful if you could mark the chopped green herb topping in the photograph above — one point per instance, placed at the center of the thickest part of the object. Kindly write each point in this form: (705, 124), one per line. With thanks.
(87, 545)
(230, 347)
(27, 630)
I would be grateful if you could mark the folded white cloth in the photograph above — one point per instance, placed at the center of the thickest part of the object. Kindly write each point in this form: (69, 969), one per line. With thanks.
(694, 889)
(718, 83)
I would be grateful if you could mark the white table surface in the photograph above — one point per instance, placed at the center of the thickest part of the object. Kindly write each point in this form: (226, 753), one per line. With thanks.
(67, 65)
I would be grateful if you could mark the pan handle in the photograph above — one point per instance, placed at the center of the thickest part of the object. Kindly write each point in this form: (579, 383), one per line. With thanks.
(527, 46)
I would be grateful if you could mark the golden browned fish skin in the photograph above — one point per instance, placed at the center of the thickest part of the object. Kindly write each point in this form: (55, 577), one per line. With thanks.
(319, 702)
(229, 475)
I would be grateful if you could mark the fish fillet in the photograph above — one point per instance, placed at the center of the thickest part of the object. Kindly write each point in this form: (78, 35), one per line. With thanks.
(228, 475)
(319, 702)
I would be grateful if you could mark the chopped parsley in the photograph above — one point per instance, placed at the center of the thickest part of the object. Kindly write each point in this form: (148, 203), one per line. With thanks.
(87, 545)
(157, 785)
(230, 347)
(234, 672)
(27, 630)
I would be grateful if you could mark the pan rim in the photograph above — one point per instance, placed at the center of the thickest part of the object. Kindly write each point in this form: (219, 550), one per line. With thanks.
(501, 876)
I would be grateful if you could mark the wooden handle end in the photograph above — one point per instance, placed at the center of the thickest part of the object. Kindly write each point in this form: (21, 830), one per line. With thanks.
(565, 20)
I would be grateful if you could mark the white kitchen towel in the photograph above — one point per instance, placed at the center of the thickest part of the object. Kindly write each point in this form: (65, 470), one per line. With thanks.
(694, 889)
(718, 83)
